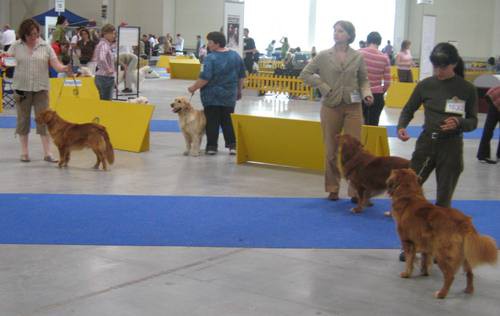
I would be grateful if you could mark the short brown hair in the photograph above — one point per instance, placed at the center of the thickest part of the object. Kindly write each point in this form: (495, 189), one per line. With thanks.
(217, 38)
(26, 27)
(405, 44)
(349, 28)
(108, 28)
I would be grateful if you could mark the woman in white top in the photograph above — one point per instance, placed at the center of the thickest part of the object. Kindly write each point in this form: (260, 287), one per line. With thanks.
(31, 83)
(404, 62)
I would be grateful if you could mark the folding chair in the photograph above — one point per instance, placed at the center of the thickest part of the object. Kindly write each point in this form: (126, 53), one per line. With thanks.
(8, 93)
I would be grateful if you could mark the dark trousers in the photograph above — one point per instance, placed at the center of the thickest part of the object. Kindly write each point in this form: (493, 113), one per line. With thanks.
(105, 85)
(443, 155)
(492, 119)
(249, 64)
(371, 113)
(405, 75)
(219, 117)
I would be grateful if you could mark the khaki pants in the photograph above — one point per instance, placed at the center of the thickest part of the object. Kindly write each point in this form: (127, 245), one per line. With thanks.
(347, 117)
(38, 100)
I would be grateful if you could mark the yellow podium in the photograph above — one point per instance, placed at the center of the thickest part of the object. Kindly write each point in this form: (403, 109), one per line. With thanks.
(399, 93)
(127, 123)
(80, 87)
(292, 143)
(164, 60)
(185, 69)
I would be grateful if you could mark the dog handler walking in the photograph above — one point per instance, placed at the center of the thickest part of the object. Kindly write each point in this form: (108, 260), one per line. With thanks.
(450, 108)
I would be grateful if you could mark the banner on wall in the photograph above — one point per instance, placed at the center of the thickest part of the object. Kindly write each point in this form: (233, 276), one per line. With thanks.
(427, 44)
(233, 25)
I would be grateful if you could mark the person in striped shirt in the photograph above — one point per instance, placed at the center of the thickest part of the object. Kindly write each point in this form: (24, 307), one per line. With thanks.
(378, 67)
(105, 59)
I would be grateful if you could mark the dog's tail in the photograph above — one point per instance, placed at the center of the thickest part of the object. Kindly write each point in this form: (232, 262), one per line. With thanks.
(110, 154)
(480, 249)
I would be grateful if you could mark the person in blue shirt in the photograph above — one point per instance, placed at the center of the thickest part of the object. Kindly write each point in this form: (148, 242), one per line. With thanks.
(220, 85)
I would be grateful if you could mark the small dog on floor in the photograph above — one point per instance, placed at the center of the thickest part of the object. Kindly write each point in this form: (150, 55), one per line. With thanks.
(70, 136)
(440, 232)
(367, 173)
(192, 123)
(139, 100)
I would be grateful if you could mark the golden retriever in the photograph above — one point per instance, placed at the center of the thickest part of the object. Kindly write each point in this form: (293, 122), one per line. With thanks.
(367, 173)
(70, 136)
(440, 232)
(192, 123)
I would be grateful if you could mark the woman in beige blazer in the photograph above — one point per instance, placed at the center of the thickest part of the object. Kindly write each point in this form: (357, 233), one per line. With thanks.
(340, 75)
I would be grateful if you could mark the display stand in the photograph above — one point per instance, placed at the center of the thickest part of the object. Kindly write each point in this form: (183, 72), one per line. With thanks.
(127, 36)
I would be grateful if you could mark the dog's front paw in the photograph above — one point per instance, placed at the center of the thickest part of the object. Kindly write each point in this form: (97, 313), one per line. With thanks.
(469, 290)
(357, 209)
(404, 275)
(440, 294)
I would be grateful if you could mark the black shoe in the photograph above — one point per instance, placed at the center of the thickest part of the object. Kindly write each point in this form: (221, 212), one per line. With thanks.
(127, 90)
(402, 257)
(354, 200)
(488, 160)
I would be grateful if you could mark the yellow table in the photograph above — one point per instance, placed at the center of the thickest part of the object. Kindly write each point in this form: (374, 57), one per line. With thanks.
(185, 69)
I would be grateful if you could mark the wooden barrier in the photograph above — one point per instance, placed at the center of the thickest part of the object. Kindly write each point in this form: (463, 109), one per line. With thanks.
(279, 84)
(270, 64)
(127, 123)
(292, 143)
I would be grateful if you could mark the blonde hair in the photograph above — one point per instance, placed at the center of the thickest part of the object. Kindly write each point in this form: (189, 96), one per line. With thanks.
(108, 28)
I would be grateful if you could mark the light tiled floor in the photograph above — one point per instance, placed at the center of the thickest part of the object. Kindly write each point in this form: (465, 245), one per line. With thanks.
(92, 280)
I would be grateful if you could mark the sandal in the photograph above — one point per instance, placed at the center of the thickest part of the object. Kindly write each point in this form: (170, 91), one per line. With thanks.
(50, 159)
(25, 158)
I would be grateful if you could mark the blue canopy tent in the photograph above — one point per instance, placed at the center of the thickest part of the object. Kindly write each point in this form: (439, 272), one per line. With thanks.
(73, 19)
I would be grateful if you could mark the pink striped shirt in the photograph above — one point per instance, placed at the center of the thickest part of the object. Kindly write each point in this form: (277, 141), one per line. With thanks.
(404, 60)
(105, 59)
(378, 67)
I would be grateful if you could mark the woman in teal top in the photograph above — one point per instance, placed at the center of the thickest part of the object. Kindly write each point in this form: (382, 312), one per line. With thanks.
(220, 82)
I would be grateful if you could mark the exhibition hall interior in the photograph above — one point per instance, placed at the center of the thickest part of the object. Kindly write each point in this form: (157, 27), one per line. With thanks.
(186, 157)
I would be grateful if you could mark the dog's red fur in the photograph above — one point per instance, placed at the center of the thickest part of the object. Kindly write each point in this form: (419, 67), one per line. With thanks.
(70, 136)
(440, 232)
(367, 173)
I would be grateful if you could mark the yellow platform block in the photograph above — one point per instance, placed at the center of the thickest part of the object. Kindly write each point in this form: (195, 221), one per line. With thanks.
(81, 87)
(127, 123)
(185, 69)
(164, 60)
(399, 93)
(291, 143)
(374, 139)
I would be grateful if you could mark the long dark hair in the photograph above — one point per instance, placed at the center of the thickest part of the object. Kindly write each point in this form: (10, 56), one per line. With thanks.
(445, 54)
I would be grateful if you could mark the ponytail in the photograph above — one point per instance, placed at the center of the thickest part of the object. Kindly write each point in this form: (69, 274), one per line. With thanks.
(459, 68)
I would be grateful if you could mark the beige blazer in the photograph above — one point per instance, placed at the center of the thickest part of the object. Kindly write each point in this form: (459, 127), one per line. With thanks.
(337, 81)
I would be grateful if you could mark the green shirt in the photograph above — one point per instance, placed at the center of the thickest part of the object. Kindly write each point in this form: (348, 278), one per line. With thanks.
(433, 94)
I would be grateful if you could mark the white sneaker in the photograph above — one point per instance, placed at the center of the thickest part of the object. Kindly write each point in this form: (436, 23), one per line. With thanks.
(211, 152)
(232, 151)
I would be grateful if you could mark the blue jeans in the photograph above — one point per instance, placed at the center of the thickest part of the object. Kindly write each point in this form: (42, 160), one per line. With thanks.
(105, 86)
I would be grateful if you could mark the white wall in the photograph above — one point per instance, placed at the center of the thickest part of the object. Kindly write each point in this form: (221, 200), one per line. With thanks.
(495, 49)
(471, 23)
(198, 17)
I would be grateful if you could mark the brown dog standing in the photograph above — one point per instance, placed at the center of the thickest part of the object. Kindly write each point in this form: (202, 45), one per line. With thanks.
(443, 233)
(367, 173)
(70, 136)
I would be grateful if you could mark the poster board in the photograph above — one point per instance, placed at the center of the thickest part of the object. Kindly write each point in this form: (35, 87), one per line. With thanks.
(233, 25)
